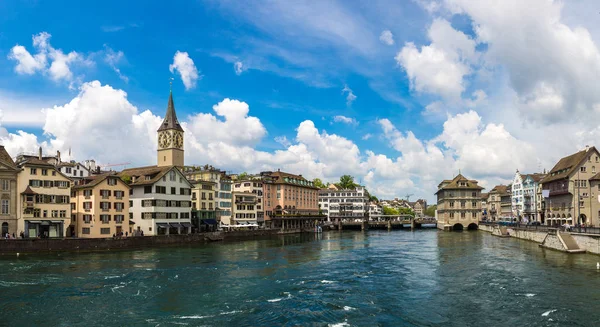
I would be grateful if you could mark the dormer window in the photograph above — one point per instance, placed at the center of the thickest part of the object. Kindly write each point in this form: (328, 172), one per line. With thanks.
(463, 184)
(147, 178)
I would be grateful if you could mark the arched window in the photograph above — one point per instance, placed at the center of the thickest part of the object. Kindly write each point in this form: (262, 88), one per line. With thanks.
(4, 229)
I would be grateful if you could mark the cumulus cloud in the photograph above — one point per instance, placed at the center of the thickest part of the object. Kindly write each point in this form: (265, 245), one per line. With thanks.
(439, 68)
(48, 60)
(350, 96)
(283, 140)
(345, 120)
(367, 136)
(387, 37)
(184, 65)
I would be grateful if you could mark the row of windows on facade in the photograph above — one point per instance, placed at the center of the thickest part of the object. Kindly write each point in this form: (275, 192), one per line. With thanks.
(48, 198)
(203, 207)
(463, 214)
(463, 204)
(248, 184)
(103, 231)
(119, 206)
(105, 219)
(163, 190)
(347, 208)
(103, 193)
(339, 194)
(40, 183)
(247, 207)
(44, 171)
(165, 203)
(458, 194)
(5, 185)
(245, 216)
(202, 196)
(69, 170)
(344, 200)
(165, 215)
(38, 213)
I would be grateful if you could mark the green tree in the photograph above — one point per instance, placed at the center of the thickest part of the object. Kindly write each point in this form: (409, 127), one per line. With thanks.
(318, 183)
(406, 211)
(243, 176)
(390, 211)
(430, 211)
(126, 178)
(373, 198)
(346, 182)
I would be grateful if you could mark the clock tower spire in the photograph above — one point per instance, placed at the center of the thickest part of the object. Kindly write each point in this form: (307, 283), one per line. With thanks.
(170, 138)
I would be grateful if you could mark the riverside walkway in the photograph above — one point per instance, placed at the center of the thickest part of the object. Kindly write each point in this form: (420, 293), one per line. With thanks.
(382, 222)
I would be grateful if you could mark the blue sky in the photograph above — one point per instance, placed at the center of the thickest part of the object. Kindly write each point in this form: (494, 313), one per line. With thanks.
(454, 85)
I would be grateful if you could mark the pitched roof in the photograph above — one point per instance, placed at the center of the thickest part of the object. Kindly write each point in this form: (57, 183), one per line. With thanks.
(567, 165)
(6, 159)
(95, 180)
(170, 121)
(28, 191)
(35, 162)
(291, 179)
(484, 195)
(500, 189)
(455, 184)
(145, 175)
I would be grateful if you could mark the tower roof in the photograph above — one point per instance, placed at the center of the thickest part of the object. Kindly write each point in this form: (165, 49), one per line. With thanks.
(170, 121)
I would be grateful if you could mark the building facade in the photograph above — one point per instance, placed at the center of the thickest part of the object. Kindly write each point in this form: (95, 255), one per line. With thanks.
(524, 199)
(342, 204)
(419, 208)
(100, 207)
(8, 194)
(203, 203)
(375, 210)
(73, 170)
(252, 186)
(244, 210)
(458, 204)
(44, 205)
(569, 189)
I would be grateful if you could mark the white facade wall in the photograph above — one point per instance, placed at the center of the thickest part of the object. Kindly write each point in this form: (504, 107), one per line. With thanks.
(355, 202)
(78, 171)
(138, 196)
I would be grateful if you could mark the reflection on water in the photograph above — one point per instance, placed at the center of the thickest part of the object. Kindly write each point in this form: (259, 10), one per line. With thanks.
(397, 278)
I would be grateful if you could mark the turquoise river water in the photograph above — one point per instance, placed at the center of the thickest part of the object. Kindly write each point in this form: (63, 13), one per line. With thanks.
(377, 278)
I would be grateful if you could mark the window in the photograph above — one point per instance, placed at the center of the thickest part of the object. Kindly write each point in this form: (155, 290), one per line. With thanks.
(119, 206)
(68, 170)
(87, 218)
(463, 204)
(451, 204)
(5, 185)
(105, 219)
(119, 219)
(463, 215)
(130, 203)
(119, 194)
(172, 176)
(85, 230)
(105, 231)
(44, 172)
(105, 206)
(5, 208)
(105, 194)
(173, 190)
(473, 204)
(87, 206)
(581, 203)
(62, 214)
(147, 189)
(583, 169)
(160, 189)
(54, 213)
(33, 171)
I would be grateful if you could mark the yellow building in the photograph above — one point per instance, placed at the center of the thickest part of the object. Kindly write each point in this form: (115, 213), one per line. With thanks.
(203, 203)
(44, 199)
(458, 204)
(245, 209)
(8, 194)
(100, 206)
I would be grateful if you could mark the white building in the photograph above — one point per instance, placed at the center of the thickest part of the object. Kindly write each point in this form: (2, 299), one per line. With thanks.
(375, 209)
(525, 200)
(73, 170)
(254, 188)
(344, 203)
(160, 200)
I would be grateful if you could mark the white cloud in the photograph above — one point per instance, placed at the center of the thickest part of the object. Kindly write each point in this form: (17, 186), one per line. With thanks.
(439, 68)
(367, 136)
(387, 37)
(239, 68)
(283, 140)
(184, 65)
(60, 63)
(113, 59)
(350, 96)
(345, 120)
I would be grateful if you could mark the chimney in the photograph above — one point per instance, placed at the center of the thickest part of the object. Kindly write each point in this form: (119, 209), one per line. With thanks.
(587, 147)
(58, 156)
(40, 154)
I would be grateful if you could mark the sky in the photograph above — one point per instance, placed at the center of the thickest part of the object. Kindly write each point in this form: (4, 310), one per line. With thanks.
(398, 94)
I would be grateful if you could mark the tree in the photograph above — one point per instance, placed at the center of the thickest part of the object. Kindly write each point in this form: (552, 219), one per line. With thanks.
(406, 211)
(242, 176)
(319, 183)
(390, 211)
(430, 211)
(126, 178)
(346, 182)
(373, 198)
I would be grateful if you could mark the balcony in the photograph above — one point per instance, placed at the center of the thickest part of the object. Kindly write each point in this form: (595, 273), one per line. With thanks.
(29, 204)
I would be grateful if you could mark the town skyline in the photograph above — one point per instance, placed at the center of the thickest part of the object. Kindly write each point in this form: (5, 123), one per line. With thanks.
(256, 106)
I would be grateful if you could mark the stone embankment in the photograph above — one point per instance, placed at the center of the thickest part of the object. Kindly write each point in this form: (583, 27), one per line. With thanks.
(11, 247)
(549, 238)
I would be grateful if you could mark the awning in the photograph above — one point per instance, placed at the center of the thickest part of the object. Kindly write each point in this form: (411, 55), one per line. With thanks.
(162, 225)
(45, 222)
(186, 225)
(175, 225)
(56, 221)
(209, 221)
(33, 221)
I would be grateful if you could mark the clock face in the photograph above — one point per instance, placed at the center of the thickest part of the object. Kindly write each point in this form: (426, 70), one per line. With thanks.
(178, 140)
(164, 140)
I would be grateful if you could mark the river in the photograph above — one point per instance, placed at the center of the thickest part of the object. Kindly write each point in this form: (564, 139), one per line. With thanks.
(398, 278)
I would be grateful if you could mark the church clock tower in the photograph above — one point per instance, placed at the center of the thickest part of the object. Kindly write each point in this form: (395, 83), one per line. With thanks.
(170, 139)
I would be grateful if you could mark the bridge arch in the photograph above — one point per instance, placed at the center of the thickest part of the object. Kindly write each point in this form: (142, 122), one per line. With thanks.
(458, 226)
(472, 226)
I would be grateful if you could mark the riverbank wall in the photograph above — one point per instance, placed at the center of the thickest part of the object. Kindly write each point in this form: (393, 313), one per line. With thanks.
(589, 243)
(12, 247)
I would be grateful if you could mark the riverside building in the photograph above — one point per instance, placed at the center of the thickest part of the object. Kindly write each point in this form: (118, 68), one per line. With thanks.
(342, 204)
(203, 203)
(8, 194)
(458, 204)
(44, 204)
(525, 197)
(100, 206)
(569, 190)
(248, 208)
(160, 196)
